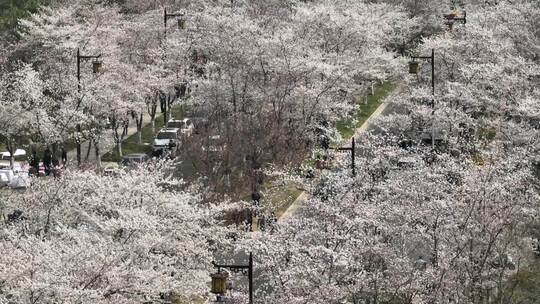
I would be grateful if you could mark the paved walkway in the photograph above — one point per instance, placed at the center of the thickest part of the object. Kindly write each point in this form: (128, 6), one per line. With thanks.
(304, 196)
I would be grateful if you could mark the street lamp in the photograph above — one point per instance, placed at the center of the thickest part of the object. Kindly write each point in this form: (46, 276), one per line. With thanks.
(413, 69)
(219, 279)
(453, 17)
(219, 282)
(96, 68)
(181, 25)
(181, 20)
(351, 148)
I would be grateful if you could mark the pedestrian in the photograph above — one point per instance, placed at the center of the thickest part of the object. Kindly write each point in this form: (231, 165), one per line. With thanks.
(64, 157)
(262, 222)
(55, 165)
(256, 197)
(248, 219)
(272, 221)
(324, 142)
(47, 159)
(34, 163)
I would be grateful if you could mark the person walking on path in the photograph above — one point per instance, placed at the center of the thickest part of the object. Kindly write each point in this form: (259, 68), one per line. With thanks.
(55, 165)
(34, 163)
(64, 157)
(47, 159)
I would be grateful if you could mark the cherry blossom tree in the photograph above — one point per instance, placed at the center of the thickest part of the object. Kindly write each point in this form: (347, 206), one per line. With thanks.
(268, 77)
(132, 66)
(22, 111)
(93, 238)
(419, 225)
(434, 229)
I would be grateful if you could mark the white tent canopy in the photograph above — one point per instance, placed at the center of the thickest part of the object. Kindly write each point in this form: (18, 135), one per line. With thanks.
(18, 152)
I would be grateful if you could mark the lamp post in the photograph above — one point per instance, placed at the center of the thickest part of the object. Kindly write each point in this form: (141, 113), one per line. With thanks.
(351, 148)
(96, 68)
(181, 20)
(181, 25)
(219, 279)
(413, 69)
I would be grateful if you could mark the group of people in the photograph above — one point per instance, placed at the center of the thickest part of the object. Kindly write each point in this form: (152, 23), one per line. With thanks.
(50, 161)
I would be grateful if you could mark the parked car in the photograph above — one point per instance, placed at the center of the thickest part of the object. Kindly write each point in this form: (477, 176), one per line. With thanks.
(166, 139)
(134, 159)
(185, 125)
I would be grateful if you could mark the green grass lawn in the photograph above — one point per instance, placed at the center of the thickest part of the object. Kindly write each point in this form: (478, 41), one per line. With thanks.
(347, 127)
(130, 144)
(285, 197)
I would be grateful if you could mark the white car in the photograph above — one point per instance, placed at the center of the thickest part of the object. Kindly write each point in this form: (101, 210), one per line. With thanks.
(185, 125)
(165, 139)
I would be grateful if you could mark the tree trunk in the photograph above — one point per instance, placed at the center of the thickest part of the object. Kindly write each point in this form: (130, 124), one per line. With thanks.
(98, 155)
(151, 107)
(139, 123)
(55, 149)
(120, 148)
(122, 137)
(170, 110)
(88, 150)
(11, 148)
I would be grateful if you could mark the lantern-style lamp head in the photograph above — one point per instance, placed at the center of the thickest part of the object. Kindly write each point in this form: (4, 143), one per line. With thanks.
(413, 67)
(181, 23)
(96, 66)
(450, 18)
(451, 15)
(219, 282)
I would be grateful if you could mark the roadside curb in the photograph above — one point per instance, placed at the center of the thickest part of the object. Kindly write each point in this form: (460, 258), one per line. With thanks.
(304, 196)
